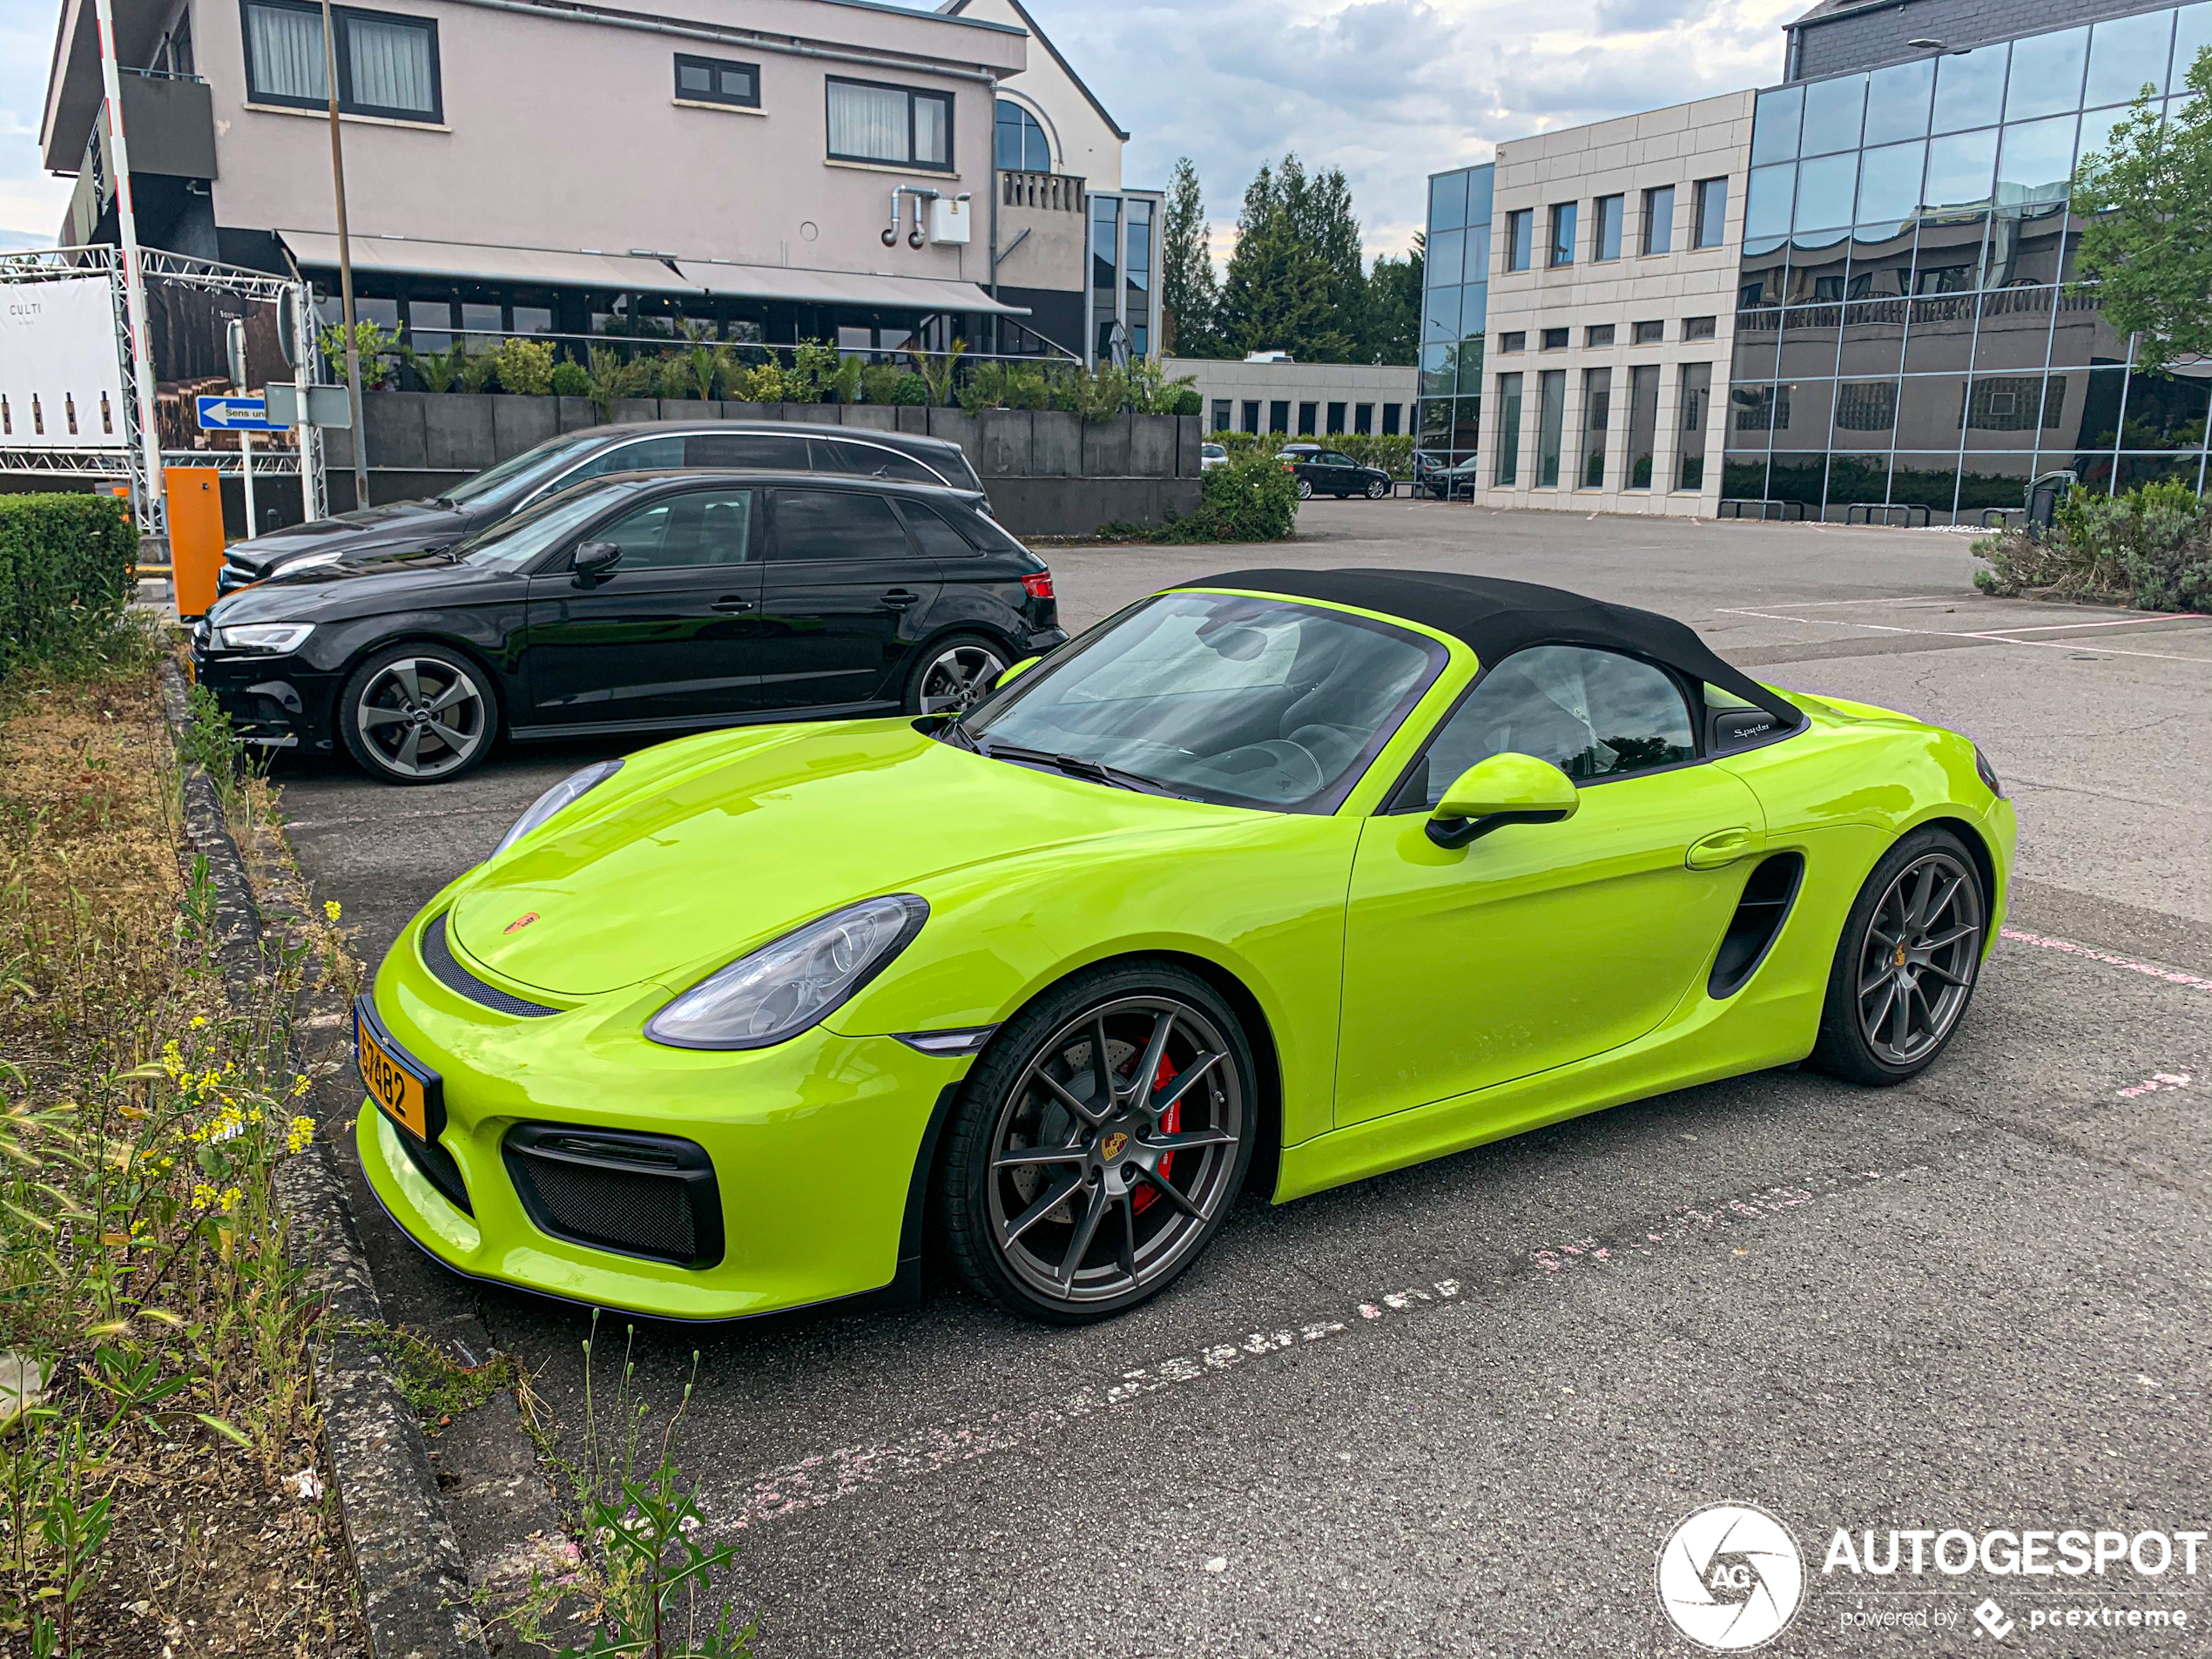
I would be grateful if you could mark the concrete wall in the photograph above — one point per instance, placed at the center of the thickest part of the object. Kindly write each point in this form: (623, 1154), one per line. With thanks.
(1865, 37)
(1048, 472)
(1678, 146)
(1322, 384)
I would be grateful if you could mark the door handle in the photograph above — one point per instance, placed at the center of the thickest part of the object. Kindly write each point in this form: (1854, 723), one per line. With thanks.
(1722, 848)
(899, 598)
(729, 605)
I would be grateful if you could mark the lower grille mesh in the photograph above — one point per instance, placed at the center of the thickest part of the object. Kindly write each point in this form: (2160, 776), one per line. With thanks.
(438, 957)
(644, 1195)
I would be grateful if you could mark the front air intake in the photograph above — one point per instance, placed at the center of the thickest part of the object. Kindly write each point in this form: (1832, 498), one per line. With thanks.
(1759, 915)
(652, 1195)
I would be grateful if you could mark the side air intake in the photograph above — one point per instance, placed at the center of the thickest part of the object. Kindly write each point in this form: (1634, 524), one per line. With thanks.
(1759, 915)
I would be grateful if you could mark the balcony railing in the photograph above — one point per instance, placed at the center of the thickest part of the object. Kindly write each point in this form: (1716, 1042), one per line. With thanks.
(1052, 193)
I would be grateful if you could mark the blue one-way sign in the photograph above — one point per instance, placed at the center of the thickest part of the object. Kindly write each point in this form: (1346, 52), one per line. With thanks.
(237, 414)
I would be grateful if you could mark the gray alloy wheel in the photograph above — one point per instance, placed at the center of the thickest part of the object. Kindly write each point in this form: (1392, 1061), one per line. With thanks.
(1376, 488)
(418, 716)
(1305, 490)
(958, 674)
(1916, 959)
(1116, 1151)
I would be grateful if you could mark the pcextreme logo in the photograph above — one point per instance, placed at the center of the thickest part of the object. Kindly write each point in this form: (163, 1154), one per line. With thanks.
(1730, 1577)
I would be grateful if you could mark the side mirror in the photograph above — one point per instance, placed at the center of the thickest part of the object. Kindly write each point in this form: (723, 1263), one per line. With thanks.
(1008, 676)
(594, 559)
(1505, 789)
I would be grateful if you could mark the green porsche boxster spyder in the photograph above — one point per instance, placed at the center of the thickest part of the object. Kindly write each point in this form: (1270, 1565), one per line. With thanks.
(1284, 878)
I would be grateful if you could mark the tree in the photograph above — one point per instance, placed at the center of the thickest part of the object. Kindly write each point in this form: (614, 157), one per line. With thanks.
(1280, 292)
(1394, 305)
(2147, 253)
(1189, 294)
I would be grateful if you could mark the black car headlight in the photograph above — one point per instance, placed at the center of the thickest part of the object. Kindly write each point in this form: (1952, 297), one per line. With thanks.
(794, 982)
(262, 638)
(1988, 772)
(562, 794)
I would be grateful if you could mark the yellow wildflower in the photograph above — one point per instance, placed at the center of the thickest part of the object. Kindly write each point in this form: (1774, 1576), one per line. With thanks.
(197, 1021)
(330, 908)
(297, 1133)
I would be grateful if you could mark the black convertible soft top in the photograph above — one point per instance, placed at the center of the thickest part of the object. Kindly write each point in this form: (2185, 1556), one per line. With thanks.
(1498, 618)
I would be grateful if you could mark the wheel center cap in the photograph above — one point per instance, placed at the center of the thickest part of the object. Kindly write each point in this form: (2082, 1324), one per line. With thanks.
(1896, 957)
(1113, 1146)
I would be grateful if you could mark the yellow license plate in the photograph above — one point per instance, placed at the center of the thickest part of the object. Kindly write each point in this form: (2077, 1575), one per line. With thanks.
(397, 1085)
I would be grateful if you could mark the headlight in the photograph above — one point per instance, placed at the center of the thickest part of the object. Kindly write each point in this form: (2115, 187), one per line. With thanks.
(798, 982)
(562, 794)
(264, 638)
(1988, 772)
(308, 561)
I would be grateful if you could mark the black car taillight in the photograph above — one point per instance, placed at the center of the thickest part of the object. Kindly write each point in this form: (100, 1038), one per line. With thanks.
(1038, 584)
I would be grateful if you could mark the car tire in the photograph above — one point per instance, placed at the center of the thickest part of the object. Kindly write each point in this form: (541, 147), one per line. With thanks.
(418, 714)
(953, 673)
(1305, 490)
(1376, 488)
(1055, 1200)
(1919, 922)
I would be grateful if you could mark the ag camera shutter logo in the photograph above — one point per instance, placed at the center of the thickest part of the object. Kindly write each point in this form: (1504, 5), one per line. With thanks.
(1730, 1577)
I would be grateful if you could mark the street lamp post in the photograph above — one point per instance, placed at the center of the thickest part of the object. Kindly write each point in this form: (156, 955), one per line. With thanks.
(345, 261)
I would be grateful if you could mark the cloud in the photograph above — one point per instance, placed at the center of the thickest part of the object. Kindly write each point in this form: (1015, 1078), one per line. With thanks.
(1392, 90)
(28, 195)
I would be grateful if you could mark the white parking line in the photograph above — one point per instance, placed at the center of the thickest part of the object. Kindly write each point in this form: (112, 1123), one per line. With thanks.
(1978, 638)
(2171, 975)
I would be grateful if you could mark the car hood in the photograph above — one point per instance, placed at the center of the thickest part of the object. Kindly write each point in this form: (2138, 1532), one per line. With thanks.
(377, 581)
(724, 842)
(409, 524)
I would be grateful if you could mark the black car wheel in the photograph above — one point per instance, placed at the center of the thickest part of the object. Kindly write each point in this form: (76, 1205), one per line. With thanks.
(1305, 490)
(1099, 1144)
(1905, 968)
(952, 674)
(417, 714)
(1378, 487)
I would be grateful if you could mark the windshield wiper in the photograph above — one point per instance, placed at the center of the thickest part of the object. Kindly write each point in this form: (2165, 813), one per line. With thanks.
(1076, 767)
(959, 736)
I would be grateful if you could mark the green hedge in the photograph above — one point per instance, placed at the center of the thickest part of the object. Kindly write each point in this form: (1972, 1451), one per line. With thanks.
(65, 565)
(1392, 452)
(1252, 499)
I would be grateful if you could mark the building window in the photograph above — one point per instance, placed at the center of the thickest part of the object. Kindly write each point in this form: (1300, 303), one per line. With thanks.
(1221, 407)
(1605, 244)
(387, 65)
(1515, 340)
(894, 125)
(1710, 228)
(1507, 467)
(2007, 403)
(1307, 413)
(1394, 420)
(1696, 391)
(1867, 406)
(1698, 327)
(1659, 220)
(1562, 242)
(1761, 408)
(1336, 418)
(1598, 334)
(1363, 418)
(1252, 414)
(1644, 424)
(1023, 146)
(1521, 235)
(718, 80)
(1597, 417)
(1278, 415)
(1651, 334)
(1551, 425)
(1555, 339)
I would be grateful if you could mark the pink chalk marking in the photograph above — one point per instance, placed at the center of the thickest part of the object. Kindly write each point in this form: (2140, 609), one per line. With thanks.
(2155, 1082)
(2172, 976)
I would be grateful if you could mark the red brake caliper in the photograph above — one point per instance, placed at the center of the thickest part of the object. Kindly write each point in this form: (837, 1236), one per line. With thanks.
(1170, 1122)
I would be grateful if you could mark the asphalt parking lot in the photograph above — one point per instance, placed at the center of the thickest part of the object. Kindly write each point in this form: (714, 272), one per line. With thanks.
(1456, 1410)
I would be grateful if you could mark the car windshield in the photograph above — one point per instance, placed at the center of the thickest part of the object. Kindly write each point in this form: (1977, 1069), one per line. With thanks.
(512, 543)
(517, 475)
(1223, 698)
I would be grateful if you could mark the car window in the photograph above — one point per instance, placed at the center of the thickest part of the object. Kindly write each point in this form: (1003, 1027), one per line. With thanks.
(1591, 713)
(517, 475)
(820, 524)
(937, 538)
(770, 451)
(1213, 451)
(1333, 459)
(701, 527)
(645, 455)
(512, 543)
(870, 460)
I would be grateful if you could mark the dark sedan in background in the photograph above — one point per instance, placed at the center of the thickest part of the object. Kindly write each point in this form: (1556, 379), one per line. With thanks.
(1441, 478)
(1323, 471)
(641, 601)
(522, 480)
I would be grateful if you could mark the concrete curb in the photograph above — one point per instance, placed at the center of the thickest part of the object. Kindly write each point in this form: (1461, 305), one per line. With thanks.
(413, 1584)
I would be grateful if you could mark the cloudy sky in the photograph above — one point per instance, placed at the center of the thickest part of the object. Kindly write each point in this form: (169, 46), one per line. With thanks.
(1388, 89)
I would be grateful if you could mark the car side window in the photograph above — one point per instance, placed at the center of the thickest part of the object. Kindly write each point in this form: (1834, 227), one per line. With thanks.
(769, 451)
(824, 525)
(702, 526)
(870, 460)
(936, 538)
(1333, 459)
(1594, 714)
(647, 454)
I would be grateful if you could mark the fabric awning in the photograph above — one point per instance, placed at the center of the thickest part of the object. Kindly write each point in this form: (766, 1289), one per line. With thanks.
(843, 288)
(480, 262)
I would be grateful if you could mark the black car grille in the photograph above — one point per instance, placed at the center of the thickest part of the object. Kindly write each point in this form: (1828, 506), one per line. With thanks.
(643, 1194)
(438, 957)
(438, 1168)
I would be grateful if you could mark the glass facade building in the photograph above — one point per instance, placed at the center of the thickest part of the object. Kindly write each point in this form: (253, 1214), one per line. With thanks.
(1906, 348)
(1455, 297)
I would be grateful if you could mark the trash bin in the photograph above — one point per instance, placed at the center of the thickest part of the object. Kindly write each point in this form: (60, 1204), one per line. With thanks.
(2044, 493)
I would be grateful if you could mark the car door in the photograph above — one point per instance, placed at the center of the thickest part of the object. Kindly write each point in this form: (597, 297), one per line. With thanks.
(669, 634)
(1342, 473)
(1538, 945)
(843, 590)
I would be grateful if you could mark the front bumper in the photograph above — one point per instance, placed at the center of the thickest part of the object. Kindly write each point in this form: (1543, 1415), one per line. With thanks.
(273, 701)
(814, 1145)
